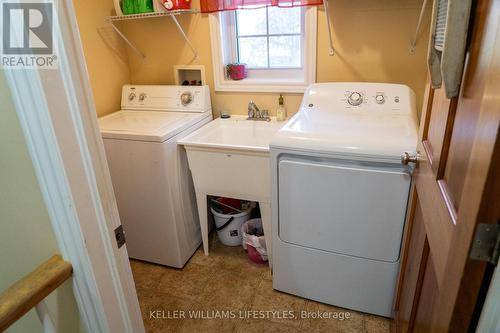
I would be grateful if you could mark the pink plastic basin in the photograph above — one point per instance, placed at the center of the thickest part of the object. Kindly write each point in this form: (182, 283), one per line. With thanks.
(254, 255)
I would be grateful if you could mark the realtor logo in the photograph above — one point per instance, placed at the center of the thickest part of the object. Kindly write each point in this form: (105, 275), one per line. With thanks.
(27, 34)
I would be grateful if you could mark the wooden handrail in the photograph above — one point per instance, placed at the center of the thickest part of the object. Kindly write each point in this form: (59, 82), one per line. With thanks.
(26, 293)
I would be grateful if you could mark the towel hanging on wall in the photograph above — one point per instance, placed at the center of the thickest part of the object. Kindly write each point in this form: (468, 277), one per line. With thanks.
(450, 21)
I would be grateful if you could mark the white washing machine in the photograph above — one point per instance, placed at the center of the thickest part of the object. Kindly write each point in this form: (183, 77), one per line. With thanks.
(340, 193)
(150, 173)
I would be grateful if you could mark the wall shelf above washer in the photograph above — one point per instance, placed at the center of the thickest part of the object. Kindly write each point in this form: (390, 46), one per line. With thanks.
(172, 14)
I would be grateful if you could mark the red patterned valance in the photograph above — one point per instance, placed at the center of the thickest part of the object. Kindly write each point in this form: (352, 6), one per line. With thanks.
(210, 6)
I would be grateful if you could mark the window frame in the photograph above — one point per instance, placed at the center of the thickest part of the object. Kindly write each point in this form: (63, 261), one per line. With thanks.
(224, 50)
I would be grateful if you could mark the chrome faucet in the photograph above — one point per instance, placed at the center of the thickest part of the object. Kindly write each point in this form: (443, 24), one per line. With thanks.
(254, 113)
(252, 109)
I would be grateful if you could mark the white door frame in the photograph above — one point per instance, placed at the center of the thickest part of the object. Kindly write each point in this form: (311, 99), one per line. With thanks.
(58, 119)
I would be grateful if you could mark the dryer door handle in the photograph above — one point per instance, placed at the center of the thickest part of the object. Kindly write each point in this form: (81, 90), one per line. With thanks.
(409, 158)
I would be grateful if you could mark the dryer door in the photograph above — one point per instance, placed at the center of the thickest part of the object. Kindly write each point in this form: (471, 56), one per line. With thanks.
(343, 207)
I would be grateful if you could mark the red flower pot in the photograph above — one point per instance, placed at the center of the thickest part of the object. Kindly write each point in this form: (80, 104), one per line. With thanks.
(237, 72)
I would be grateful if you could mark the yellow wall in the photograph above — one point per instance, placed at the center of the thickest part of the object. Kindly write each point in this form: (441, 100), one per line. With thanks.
(26, 235)
(105, 54)
(371, 39)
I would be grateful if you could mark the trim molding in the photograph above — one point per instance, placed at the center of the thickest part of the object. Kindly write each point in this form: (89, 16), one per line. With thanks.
(58, 120)
(34, 118)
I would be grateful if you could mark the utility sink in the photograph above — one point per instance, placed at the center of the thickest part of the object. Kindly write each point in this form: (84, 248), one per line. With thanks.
(230, 158)
(235, 133)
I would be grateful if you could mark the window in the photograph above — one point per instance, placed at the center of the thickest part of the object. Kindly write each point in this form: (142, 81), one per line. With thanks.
(269, 37)
(278, 45)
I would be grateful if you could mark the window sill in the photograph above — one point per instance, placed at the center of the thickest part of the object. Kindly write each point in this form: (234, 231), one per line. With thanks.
(262, 85)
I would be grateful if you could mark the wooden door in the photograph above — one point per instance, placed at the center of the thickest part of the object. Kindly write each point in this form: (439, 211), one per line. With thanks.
(455, 187)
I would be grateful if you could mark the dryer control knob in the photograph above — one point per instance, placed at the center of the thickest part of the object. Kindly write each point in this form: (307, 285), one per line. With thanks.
(186, 98)
(131, 96)
(380, 99)
(355, 99)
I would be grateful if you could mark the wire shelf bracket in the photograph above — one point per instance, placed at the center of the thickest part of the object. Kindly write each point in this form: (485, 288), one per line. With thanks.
(413, 41)
(172, 14)
(331, 50)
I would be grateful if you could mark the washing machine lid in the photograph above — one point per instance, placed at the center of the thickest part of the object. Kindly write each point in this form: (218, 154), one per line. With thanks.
(328, 123)
(150, 126)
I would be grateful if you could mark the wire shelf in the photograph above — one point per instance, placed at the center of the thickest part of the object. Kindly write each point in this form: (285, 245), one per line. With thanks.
(172, 14)
(152, 14)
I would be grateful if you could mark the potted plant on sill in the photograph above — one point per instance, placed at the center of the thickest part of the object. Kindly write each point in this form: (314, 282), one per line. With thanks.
(236, 71)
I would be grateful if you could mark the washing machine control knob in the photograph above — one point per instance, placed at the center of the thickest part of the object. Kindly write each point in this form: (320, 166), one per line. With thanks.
(142, 97)
(380, 99)
(186, 98)
(131, 96)
(355, 98)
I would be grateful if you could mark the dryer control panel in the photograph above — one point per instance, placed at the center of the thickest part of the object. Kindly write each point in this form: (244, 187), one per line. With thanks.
(359, 96)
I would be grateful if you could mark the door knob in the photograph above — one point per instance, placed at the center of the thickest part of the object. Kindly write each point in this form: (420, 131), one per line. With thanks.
(408, 158)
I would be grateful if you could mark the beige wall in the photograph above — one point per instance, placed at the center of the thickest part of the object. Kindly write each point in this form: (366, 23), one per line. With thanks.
(371, 39)
(105, 54)
(26, 235)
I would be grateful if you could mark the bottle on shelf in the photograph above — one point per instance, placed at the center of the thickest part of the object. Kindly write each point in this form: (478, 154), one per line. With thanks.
(143, 6)
(127, 7)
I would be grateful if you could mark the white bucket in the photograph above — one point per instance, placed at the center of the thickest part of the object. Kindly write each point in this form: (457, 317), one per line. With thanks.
(230, 235)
